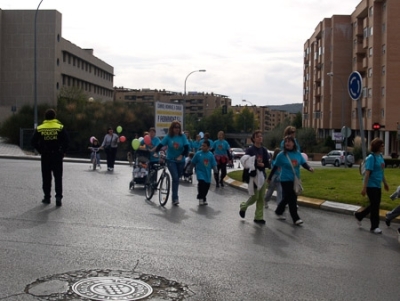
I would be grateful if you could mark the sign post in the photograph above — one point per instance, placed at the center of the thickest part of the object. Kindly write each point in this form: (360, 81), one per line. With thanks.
(355, 90)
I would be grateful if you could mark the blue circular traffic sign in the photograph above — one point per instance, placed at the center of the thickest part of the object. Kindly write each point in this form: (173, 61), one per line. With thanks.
(355, 85)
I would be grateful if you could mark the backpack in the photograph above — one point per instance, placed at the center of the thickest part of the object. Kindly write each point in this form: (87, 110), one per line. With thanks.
(362, 169)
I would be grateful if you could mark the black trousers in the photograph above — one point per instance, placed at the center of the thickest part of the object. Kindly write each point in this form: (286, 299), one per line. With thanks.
(202, 189)
(221, 167)
(374, 195)
(111, 153)
(288, 197)
(52, 165)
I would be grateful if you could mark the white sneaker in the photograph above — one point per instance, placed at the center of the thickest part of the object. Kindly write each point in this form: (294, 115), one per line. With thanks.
(201, 202)
(175, 202)
(266, 205)
(281, 217)
(298, 222)
(376, 231)
(205, 203)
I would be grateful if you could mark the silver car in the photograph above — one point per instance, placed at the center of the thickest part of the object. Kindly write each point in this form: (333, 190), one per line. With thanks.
(337, 158)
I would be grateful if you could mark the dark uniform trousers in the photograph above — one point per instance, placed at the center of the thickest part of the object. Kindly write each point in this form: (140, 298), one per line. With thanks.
(52, 163)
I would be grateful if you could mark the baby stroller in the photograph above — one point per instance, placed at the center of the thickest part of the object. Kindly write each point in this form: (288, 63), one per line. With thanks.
(140, 168)
(188, 172)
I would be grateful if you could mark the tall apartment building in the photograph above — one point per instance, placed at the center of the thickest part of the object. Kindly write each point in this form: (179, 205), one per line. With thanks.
(59, 62)
(366, 41)
(200, 104)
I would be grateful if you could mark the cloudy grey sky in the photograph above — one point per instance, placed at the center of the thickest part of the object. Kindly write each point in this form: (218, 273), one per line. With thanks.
(251, 49)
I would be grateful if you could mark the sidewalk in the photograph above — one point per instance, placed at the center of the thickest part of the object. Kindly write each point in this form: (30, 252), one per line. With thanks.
(10, 151)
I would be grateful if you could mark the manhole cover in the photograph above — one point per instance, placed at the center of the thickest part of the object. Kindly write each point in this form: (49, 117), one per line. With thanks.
(112, 288)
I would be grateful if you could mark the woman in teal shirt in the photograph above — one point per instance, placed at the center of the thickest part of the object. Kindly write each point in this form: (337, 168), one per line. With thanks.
(372, 185)
(178, 149)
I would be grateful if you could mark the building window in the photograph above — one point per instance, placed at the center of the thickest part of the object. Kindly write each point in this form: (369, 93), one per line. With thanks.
(371, 31)
(383, 70)
(383, 49)
(370, 92)
(371, 11)
(383, 91)
(369, 113)
(383, 27)
(370, 51)
(383, 113)
(58, 62)
(364, 92)
(369, 72)
(365, 32)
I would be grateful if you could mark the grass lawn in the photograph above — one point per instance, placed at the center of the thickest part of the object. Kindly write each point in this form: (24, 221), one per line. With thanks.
(341, 185)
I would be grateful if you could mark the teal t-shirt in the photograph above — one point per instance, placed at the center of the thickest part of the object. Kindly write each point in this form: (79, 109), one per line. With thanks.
(176, 145)
(376, 165)
(204, 162)
(221, 147)
(286, 169)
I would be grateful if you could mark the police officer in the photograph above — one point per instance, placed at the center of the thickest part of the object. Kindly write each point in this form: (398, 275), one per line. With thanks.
(51, 141)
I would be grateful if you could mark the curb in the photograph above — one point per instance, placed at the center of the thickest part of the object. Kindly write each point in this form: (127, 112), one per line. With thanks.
(315, 203)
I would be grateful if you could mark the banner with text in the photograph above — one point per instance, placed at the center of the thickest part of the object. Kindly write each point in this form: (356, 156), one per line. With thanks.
(164, 114)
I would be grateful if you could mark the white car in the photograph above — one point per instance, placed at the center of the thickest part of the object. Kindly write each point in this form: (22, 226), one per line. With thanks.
(337, 158)
(237, 153)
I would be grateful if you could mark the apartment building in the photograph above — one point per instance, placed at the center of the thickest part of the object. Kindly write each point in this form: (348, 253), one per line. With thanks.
(367, 41)
(59, 63)
(200, 104)
(265, 117)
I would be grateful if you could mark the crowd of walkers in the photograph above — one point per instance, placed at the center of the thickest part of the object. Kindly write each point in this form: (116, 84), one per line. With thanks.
(207, 157)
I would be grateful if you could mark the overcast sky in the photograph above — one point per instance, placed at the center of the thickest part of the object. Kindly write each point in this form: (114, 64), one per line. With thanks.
(251, 49)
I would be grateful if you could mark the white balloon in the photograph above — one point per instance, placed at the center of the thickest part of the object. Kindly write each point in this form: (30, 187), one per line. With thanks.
(141, 138)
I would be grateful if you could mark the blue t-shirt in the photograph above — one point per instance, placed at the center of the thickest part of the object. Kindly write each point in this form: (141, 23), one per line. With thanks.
(204, 163)
(376, 165)
(154, 142)
(176, 146)
(196, 145)
(286, 169)
(221, 147)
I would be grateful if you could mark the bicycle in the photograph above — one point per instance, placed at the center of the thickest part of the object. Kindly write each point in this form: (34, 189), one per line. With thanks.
(163, 184)
(94, 162)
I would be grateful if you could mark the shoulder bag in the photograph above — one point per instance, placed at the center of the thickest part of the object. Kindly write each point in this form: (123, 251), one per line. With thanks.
(297, 186)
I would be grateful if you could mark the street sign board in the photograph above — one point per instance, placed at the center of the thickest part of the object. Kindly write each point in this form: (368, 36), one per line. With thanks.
(346, 132)
(355, 85)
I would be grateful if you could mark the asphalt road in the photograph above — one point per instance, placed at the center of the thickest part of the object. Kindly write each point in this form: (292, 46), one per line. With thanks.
(210, 249)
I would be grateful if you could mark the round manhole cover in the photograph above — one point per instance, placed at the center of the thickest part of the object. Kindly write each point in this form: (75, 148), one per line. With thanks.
(112, 288)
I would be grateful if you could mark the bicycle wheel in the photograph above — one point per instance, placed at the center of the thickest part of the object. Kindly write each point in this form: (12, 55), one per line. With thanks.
(163, 193)
(150, 185)
(94, 163)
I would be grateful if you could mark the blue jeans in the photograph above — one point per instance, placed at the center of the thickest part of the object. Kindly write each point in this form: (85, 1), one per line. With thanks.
(176, 171)
(97, 157)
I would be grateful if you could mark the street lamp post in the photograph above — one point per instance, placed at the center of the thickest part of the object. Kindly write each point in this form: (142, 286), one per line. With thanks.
(344, 132)
(184, 94)
(35, 113)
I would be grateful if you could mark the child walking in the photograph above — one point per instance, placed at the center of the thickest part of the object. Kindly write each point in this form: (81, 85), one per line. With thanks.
(203, 162)
(395, 212)
(275, 183)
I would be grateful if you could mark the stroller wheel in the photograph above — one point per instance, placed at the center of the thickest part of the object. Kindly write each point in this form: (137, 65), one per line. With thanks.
(131, 185)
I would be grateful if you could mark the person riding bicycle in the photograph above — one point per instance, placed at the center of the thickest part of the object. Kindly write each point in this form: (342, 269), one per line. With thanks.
(94, 147)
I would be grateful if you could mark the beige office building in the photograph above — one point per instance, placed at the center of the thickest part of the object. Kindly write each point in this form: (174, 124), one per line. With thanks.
(367, 41)
(200, 104)
(59, 62)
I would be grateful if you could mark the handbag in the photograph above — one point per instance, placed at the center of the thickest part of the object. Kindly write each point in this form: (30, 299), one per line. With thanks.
(297, 186)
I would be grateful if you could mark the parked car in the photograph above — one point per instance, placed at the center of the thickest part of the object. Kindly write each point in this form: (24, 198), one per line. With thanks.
(237, 153)
(337, 158)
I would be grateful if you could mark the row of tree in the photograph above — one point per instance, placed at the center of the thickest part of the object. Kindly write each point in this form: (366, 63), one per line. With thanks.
(84, 119)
